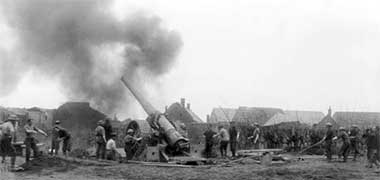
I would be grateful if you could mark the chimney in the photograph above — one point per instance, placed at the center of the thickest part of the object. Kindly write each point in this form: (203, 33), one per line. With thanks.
(329, 112)
(183, 102)
(188, 106)
(208, 118)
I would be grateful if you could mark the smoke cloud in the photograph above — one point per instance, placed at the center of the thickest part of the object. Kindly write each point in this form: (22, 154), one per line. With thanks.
(85, 48)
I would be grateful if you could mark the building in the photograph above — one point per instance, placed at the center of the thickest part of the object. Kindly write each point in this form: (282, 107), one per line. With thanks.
(361, 119)
(327, 119)
(221, 115)
(258, 115)
(179, 113)
(81, 120)
(303, 117)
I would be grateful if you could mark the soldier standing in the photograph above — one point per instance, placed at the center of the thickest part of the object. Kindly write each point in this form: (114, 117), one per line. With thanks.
(234, 135)
(224, 140)
(63, 135)
(345, 149)
(354, 139)
(130, 144)
(54, 140)
(8, 134)
(30, 142)
(100, 138)
(255, 136)
(328, 138)
(111, 151)
(209, 141)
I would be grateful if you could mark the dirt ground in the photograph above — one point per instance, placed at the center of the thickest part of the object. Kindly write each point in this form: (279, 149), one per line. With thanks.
(312, 167)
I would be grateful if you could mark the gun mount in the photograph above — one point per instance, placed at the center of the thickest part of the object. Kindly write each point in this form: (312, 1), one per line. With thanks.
(158, 122)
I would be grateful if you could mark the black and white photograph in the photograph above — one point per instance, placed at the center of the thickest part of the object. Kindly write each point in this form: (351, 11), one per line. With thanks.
(189, 90)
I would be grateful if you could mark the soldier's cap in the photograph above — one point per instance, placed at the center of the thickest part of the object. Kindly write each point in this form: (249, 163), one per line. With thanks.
(57, 122)
(328, 124)
(100, 122)
(130, 131)
(12, 117)
(342, 129)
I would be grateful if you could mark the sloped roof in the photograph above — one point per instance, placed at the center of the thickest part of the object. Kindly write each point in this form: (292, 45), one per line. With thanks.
(327, 119)
(362, 119)
(222, 114)
(195, 116)
(177, 108)
(304, 117)
(259, 115)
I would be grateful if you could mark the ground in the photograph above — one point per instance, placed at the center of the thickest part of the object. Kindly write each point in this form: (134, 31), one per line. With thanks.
(311, 167)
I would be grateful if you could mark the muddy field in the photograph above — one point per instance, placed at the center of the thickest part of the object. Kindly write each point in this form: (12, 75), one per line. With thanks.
(312, 167)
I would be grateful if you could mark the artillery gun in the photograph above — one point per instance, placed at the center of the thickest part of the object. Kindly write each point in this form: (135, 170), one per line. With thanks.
(174, 143)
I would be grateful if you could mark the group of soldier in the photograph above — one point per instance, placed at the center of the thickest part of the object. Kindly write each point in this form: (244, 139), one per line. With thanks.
(351, 140)
(106, 142)
(230, 136)
(8, 139)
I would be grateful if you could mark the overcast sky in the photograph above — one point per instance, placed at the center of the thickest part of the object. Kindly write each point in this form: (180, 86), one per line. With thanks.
(295, 55)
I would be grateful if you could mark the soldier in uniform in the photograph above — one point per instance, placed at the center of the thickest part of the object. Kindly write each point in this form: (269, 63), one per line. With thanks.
(30, 142)
(8, 134)
(255, 136)
(54, 140)
(328, 138)
(345, 149)
(100, 138)
(130, 142)
(209, 140)
(234, 135)
(65, 137)
(354, 139)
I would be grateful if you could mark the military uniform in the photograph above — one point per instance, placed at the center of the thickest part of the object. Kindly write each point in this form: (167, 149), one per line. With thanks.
(328, 143)
(354, 140)
(30, 142)
(7, 135)
(233, 140)
(100, 142)
(345, 149)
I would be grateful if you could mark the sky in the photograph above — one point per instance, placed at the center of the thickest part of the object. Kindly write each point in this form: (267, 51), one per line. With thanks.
(289, 54)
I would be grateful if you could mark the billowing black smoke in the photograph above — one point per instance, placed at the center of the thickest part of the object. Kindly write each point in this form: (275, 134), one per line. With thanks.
(83, 46)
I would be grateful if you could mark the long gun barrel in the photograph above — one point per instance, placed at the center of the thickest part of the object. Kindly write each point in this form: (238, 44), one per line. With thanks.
(157, 120)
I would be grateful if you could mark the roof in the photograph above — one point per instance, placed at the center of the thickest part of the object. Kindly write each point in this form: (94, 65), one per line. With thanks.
(259, 115)
(176, 112)
(327, 119)
(362, 119)
(304, 117)
(222, 114)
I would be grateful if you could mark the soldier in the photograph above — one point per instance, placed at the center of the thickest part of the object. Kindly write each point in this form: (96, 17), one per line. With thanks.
(224, 140)
(130, 142)
(209, 142)
(54, 141)
(371, 147)
(100, 138)
(8, 134)
(108, 128)
(63, 135)
(377, 135)
(345, 149)
(255, 136)
(111, 151)
(30, 141)
(234, 136)
(328, 138)
(354, 139)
